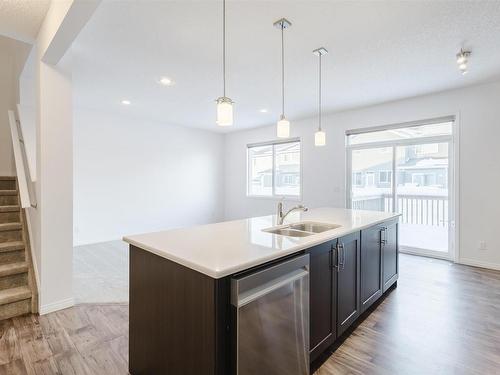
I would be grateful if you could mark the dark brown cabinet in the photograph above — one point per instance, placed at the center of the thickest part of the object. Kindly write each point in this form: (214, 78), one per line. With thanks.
(322, 299)
(348, 281)
(347, 276)
(371, 265)
(390, 266)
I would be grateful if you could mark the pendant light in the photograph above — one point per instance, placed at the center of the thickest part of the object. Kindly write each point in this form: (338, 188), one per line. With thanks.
(320, 135)
(283, 125)
(462, 60)
(224, 104)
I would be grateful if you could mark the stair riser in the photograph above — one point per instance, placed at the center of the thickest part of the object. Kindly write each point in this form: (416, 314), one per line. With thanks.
(8, 200)
(11, 235)
(12, 256)
(10, 310)
(7, 185)
(10, 217)
(13, 281)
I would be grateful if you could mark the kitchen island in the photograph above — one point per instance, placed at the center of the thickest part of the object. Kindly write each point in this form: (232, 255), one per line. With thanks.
(183, 318)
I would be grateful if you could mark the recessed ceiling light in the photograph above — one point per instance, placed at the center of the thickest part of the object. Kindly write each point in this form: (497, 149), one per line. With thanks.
(166, 81)
(125, 102)
(263, 110)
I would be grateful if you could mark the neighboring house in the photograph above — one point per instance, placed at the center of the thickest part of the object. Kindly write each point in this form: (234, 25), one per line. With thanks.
(287, 166)
(420, 166)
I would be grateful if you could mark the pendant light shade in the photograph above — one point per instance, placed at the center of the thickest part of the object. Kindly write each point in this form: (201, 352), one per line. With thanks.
(283, 128)
(283, 125)
(320, 135)
(224, 112)
(320, 138)
(224, 104)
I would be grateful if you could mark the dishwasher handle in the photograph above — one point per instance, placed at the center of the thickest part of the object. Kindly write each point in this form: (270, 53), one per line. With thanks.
(248, 288)
(259, 292)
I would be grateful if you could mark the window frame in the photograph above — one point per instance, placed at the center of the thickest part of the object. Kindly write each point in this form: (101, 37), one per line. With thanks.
(273, 195)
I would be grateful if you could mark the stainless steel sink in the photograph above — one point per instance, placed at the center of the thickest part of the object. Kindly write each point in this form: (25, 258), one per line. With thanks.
(313, 227)
(288, 232)
(303, 229)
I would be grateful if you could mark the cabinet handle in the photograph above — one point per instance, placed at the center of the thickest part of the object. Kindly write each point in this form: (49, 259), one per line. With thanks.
(339, 259)
(341, 256)
(383, 234)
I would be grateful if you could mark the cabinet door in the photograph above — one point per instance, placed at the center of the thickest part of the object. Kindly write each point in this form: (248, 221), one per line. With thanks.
(348, 280)
(390, 255)
(371, 266)
(322, 299)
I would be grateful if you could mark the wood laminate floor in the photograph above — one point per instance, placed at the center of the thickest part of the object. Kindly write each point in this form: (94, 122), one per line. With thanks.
(442, 319)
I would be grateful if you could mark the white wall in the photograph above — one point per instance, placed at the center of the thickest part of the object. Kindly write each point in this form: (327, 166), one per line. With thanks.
(324, 168)
(28, 113)
(133, 176)
(12, 55)
(52, 221)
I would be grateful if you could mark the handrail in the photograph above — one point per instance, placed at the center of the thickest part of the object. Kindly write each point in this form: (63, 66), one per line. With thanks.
(25, 185)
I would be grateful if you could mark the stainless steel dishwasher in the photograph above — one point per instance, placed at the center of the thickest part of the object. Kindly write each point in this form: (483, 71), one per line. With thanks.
(271, 319)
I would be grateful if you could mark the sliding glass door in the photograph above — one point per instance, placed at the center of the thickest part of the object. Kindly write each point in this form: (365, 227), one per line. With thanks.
(422, 195)
(406, 170)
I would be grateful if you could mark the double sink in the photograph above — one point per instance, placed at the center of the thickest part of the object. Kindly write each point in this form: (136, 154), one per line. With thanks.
(301, 229)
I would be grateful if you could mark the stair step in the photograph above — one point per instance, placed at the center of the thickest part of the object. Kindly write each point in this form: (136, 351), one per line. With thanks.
(11, 246)
(10, 226)
(13, 269)
(8, 192)
(9, 208)
(14, 294)
(8, 183)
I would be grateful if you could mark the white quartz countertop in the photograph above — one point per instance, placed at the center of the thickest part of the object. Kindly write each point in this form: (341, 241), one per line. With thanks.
(221, 249)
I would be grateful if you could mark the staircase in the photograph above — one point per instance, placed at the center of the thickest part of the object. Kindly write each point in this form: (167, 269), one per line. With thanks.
(17, 284)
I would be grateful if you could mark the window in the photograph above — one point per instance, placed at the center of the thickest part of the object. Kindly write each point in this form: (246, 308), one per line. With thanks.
(385, 177)
(357, 178)
(274, 169)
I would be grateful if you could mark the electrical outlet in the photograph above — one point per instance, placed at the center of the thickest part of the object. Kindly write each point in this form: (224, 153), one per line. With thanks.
(483, 246)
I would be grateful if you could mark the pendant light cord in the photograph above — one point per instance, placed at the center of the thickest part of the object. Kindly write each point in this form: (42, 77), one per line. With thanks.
(319, 101)
(282, 71)
(224, 45)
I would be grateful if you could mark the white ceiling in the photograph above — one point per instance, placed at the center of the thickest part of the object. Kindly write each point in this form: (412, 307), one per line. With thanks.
(379, 51)
(21, 19)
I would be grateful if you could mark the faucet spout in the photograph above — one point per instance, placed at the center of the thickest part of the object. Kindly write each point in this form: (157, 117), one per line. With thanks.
(280, 216)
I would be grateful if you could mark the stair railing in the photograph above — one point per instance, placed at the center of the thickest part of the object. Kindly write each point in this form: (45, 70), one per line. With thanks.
(25, 184)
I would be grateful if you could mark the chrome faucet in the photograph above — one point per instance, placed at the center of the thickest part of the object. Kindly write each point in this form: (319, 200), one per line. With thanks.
(280, 216)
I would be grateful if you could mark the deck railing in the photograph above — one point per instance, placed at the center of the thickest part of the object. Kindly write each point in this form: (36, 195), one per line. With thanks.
(414, 209)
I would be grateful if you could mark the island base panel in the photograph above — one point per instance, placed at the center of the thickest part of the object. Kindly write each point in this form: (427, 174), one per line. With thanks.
(173, 323)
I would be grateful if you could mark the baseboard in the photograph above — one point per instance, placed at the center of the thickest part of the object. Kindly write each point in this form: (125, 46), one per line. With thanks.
(56, 306)
(478, 263)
